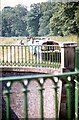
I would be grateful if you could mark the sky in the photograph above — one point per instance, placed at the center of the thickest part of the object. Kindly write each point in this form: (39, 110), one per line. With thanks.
(13, 3)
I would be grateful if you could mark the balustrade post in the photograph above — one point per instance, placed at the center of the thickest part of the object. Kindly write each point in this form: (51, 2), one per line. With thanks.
(67, 65)
(56, 97)
(7, 106)
(39, 55)
(7, 92)
(11, 55)
(68, 90)
(3, 55)
(41, 99)
(25, 91)
(25, 55)
(68, 56)
(7, 55)
(18, 56)
(76, 99)
(14, 55)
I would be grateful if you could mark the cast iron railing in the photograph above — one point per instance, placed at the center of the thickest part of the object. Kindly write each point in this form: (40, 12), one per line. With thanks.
(70, 79)
(30, 55)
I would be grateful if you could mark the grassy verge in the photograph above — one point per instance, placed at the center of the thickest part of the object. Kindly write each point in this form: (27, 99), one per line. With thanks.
(16, 40)
(65, 38)
(12, 40)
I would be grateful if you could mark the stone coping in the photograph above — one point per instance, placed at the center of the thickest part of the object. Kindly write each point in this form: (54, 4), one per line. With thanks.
(30, 69)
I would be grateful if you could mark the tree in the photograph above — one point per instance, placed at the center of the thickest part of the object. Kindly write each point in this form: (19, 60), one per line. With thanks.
(43, 19)
(47, 10)
(77, 18)
(33, 20)
(63, 21)
(14, 21)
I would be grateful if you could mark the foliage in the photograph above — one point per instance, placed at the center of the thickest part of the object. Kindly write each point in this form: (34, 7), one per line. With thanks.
(77, 18)
(14, 21)
(63, 22)
(47, 9)
(43, 19)
(33, 20)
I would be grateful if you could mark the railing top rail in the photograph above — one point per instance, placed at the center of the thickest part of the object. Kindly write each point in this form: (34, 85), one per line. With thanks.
(38, 76)
(25, 45)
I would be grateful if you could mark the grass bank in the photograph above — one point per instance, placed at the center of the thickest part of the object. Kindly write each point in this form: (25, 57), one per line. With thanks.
(12, 40)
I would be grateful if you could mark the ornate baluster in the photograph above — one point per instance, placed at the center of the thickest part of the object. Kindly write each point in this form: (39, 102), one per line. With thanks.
(68, 90)
(41, 98)
(56, 97)
(7, 92)
(25, 91)
(76, 98)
